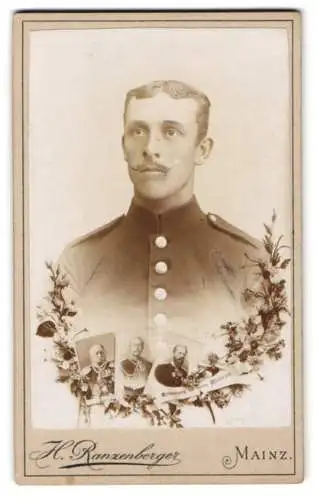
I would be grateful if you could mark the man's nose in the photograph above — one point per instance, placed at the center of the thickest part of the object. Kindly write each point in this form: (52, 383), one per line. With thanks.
(153, 146)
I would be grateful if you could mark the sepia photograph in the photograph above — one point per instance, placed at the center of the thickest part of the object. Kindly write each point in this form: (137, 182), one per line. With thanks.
(174, 373)
(160, 215)
(135, 368)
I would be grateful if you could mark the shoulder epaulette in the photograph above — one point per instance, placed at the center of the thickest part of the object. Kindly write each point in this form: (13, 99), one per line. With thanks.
(221, 225)
(99, 232)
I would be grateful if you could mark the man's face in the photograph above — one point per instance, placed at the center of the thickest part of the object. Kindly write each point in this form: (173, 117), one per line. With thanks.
(136, 347)
(160, 144)
(179, 355)
(213, 359)
(97, 355)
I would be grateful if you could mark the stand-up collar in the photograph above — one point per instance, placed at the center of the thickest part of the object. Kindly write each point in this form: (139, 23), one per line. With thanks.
(184, 216)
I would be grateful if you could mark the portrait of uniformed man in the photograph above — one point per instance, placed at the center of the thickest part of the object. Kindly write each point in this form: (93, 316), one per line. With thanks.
(174, 373)
(135, 368)
(99, 374)
(164, 266)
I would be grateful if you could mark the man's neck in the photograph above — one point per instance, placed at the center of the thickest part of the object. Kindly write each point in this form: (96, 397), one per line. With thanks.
(135, 358)
(98, 365)
(160, 206)
(177, 364)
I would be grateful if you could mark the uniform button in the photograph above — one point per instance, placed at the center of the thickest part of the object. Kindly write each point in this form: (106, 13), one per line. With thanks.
(160, 293)
(160, 241)
(161, 267)
(160, 319)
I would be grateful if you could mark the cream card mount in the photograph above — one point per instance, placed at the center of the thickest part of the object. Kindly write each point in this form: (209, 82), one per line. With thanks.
(157, 245)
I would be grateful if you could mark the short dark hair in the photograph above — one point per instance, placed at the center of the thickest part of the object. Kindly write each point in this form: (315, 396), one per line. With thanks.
(176, 90)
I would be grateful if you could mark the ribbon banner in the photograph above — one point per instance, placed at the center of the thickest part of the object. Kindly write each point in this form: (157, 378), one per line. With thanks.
(213, 384)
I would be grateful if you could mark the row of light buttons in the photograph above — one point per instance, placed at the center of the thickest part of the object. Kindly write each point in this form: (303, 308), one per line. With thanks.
(160, 293)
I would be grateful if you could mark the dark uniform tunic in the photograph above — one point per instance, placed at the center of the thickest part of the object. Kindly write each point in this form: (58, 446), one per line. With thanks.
(179, 273)
(100, 379)
(170, 375)
(135, 372)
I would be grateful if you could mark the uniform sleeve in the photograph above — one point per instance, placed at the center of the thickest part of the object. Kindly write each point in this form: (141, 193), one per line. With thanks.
(148, 366)
(127, 367)
(57, 307)
(163, 375)
(72, 263)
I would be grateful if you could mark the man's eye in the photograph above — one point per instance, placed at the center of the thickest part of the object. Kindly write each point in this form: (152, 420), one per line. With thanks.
(171, 132)
(139, 132)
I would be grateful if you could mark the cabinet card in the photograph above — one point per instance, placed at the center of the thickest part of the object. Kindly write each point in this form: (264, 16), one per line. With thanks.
(157, 247)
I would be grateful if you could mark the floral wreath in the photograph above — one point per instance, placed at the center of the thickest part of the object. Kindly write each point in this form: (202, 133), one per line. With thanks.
(249, 343)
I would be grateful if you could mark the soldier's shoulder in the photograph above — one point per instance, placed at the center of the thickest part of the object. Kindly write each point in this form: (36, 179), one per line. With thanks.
(127, 366)
(97, 234)
(110, 365)
(89, 245)
(147, 362)
(162, 366)
(81, 256)
(233, 233)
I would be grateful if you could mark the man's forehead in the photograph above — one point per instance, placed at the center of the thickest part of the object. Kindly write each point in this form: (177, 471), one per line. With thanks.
(96, 348)
(180, 349)
(136, 341)
(162, 107)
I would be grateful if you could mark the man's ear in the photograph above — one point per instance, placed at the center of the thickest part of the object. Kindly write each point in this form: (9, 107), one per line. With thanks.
(123, 148)
(203, 150)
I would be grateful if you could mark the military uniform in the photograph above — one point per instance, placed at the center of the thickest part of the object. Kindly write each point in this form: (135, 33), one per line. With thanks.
(100, 379)
(132, 367)
(181, 272)
(135, 373)
(170, 375)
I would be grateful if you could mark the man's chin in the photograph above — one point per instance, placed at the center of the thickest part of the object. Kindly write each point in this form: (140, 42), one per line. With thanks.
(153, 193)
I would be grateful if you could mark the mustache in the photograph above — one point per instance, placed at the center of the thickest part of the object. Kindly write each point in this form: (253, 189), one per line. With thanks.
(150, 167)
